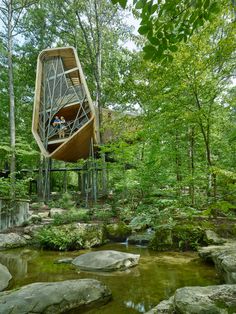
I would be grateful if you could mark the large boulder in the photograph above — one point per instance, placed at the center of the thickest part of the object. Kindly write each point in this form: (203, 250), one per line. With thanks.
(92, 234)
(54, 297)
(199, 300)
(141, 238)
(212, 238)
(118, 231)
(107, 260)
(11, 240)
(224, 258)
(165, 307)
(5, 277)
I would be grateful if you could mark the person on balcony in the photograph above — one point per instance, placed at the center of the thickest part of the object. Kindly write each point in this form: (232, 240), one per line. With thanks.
(62, 128)
(56, 122)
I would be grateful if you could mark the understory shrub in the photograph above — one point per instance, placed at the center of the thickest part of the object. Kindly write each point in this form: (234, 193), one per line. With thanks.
(103, 215)
(65, 201)
(69, 237)
(62, 239)
(74, 215)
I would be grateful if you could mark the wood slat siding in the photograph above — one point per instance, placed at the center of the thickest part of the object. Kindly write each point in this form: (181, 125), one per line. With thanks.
(76, 146)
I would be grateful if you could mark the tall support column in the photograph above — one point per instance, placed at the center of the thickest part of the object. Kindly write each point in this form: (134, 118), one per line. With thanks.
(44, 184)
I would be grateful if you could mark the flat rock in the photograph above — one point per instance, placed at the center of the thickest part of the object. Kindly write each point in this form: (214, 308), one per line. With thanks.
(210, 299)
(224, 258)
(212, 238)
(5, 277)
(219, 299)
(54, 297)
(11, 240)
(107, 260)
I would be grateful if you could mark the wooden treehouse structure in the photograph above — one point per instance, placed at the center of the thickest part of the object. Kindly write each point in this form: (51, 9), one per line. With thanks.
(61, 91)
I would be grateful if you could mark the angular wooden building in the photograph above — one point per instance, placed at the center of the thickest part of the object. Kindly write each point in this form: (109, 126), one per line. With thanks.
(61, 91)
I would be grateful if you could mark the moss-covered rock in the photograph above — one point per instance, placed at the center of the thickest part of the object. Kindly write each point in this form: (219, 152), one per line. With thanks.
(11, 240)
(180, 236)
(117, 231)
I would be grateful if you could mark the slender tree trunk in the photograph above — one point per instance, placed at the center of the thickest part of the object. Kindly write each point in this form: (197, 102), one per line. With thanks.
(12, 100)
(191, 166)
(98, 61)
(178, 164)
(40, 178)
(211, 178)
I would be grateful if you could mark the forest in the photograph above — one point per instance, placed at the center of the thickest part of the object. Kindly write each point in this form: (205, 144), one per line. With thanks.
(178, 150)
(161, 183)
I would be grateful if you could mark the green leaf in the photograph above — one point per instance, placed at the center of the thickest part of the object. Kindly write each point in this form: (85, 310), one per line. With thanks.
(173, 39)
(206, 4)
(193, 16)
(173, 48)
(159, 52)
(144, 29)
(164, 43)
(160, 34)
(206, 16)
(153, 40)
(199, 4)
(170, 58)
(140, 4)
(154, 8)
(150, 51)
(123, 3)
(214, 8)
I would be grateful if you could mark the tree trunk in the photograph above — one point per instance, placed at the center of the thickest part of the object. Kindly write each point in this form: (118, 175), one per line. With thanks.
(178, 164)
(191, 166)
(98, 76)
(12, 101)
(211, 178)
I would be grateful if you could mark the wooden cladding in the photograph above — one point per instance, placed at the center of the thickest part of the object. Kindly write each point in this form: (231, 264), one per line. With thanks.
(61, 91)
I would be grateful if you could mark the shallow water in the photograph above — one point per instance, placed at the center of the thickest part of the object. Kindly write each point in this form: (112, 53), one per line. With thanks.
(136, 290)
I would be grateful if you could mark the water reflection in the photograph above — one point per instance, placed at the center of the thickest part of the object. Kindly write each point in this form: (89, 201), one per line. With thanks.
(136, 290)
(16, 263)
(140, 307)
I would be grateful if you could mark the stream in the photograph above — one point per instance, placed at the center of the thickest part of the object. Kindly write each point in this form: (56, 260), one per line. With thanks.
(135, 290)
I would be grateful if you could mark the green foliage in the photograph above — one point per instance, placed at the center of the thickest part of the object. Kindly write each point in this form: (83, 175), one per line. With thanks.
(188, 237)
(21, 187)
(121, 2)
(73, 215)
(169, 23)
(177, 236)
(144, 219)
(104, 215)
(126, 214)
(65, 201)
(62, 239)
(221, 208)
(69, 237)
